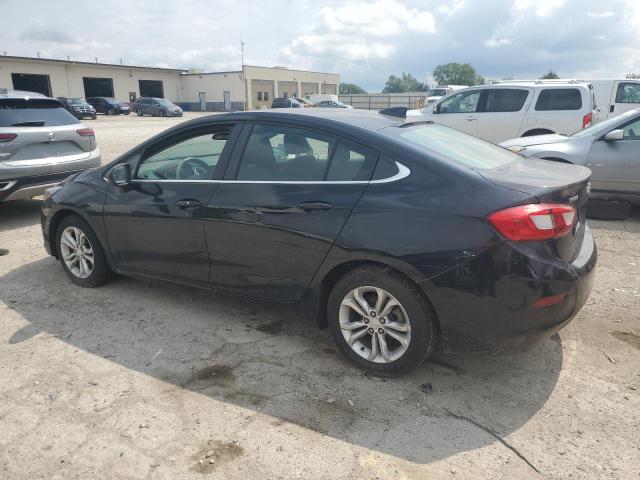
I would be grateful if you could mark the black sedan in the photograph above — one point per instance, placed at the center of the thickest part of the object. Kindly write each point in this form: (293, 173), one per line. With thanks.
(400, 237)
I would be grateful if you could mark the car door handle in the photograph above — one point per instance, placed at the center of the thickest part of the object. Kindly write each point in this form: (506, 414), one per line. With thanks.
(309, 206)
(188, 203)
(612, 108)
(470, 119)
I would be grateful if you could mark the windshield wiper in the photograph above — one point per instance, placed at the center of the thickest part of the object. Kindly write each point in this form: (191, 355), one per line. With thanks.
(31, 123)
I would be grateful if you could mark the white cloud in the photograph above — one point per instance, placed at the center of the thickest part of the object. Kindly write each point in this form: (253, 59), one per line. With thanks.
(541, 8)
(606, 14)
(449, 9)
(497, 42)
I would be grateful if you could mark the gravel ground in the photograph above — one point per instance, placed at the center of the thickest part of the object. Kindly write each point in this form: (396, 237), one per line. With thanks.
(152, 381)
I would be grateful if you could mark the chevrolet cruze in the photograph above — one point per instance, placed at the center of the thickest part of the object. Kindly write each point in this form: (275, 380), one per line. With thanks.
(400, 237)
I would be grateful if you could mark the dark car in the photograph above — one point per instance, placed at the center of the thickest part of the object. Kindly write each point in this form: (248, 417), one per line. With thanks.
(397, 236)
(157, 107)
(285, 103)
(109, 105)
(78, 107)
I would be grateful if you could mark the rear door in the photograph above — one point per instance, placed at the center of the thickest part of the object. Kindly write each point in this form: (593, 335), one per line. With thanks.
(626, 96)
(40, 131)
(502, 113)
(155, 225)
(287, 193)
(459, 111)
(616, 164)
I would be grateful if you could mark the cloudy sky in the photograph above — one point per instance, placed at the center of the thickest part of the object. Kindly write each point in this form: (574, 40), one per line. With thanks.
(363, 41)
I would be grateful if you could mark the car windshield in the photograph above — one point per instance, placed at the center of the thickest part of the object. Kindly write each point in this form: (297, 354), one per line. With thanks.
(437, 92)
(606, 125)
(472, 152)
(164, 102)
(77, 101)
(33, 112)
(112, 100)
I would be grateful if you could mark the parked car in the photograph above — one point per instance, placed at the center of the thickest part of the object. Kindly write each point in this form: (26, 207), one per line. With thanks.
(397, 236)
(78, 107)
(615, 96)
(502, 111)
(109, 105)
(440, 91)
(41, 143)
(304, 102)
(284, 102)
(156, 107)
(611, 149)
(331, 104)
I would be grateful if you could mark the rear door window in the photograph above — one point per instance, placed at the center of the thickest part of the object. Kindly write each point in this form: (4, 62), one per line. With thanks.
(628, 93)
(350, 163)
(551, 99)
(505, 100)
(16, 112)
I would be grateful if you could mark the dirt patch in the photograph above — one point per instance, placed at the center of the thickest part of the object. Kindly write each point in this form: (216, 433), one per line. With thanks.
(247, 398)
(330, 350)
(631, 338)
(215, 454)
(212, 375)
(271, 328)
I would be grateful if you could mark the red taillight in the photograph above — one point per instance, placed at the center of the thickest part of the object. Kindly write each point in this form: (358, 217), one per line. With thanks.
(85, 132)
(7, 137)
(538, 221)
(586, 120)
(549, 301)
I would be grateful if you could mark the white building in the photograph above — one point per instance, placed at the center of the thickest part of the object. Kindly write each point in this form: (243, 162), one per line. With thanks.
(252, 87)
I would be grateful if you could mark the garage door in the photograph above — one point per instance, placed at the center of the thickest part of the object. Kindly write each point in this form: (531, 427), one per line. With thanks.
(98, 87)
(32, 83)
(151, 88)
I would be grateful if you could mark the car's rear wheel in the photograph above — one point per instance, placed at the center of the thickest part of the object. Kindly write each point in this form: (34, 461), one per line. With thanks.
(139, 112)
(80, 253)
(380, 321)
(111, 111)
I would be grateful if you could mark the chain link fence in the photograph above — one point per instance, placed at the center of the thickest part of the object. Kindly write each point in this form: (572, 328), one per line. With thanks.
(382, 100)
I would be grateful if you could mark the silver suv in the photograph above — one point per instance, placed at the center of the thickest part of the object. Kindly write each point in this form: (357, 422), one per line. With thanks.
(41, 144)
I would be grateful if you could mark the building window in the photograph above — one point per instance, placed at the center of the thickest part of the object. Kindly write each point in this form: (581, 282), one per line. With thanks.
(266, 96)
(259, 96)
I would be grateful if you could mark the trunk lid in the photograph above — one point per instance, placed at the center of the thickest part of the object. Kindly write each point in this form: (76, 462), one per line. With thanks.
(550, 182)
(45, 133)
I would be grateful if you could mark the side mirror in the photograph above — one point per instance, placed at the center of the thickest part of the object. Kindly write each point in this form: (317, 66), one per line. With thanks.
(614, 135)
(121, 174)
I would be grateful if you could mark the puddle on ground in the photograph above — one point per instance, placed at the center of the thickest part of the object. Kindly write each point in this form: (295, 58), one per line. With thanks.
(630, 338)
(212, 375)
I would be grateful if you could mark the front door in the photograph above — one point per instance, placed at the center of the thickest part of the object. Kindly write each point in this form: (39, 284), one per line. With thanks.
(615, 165)
(203, 101)
(459, 111)
(155, 225)
(285, 198)
(226, 95)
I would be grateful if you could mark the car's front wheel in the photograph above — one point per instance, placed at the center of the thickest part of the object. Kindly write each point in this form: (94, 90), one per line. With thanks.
(139, 112)
(80, 253)
(380, 321)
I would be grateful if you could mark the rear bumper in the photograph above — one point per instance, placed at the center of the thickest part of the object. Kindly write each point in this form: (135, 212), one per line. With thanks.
(32, 186)
(487, 304)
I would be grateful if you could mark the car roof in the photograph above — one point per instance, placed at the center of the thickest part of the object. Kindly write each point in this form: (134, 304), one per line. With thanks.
(364, 119)
(22, 94)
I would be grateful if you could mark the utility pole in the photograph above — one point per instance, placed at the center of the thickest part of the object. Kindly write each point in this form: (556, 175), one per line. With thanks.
(242, 68)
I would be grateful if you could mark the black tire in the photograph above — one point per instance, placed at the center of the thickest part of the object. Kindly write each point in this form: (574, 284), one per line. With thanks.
(608, 209)
(139, 112)
(163, 113)
(422, 318)
(111, 111)
(101, 271)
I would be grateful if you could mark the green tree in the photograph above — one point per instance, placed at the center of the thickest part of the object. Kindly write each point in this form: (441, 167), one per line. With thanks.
(351, 88)
(550, 75)
(457, 74)
(404, 83)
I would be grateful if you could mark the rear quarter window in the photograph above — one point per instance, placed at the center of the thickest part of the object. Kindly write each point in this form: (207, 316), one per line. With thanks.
(553, 99)
(15, 112)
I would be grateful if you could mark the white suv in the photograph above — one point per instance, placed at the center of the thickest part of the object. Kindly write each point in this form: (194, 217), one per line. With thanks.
(502, 111)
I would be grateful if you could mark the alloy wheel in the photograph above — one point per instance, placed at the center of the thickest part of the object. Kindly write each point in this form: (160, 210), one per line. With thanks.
(77, 252)
(374, 324)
